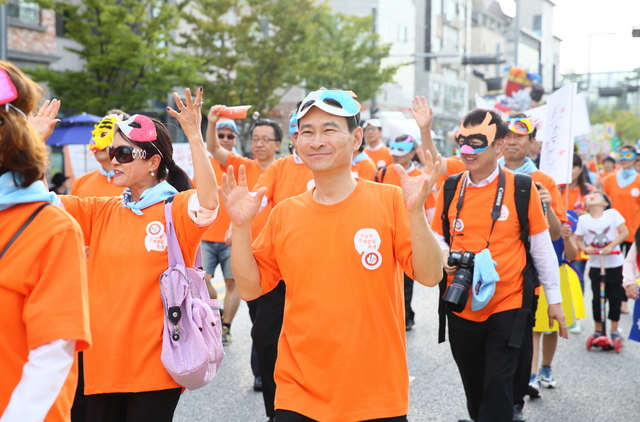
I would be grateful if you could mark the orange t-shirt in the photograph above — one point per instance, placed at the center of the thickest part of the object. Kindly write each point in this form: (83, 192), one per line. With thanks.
(219, 228)
(283, 179)
(365, 169)
(94, 184)
(454, 165)
(125, 265)
(506, 248)
(575, 196)
(391, 178)
(557, 203)
(347, 266)
(43, 295)
(253, 173)
(626, 201)
(381, 156)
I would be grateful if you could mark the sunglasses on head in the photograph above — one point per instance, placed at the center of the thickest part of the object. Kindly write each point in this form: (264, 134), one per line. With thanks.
(126, 154)
(520, 125)
(229, 136)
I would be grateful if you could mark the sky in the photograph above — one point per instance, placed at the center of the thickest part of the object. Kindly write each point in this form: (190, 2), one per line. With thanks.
(575, 20)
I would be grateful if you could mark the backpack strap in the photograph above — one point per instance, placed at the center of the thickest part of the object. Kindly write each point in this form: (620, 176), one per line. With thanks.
(21, 229)
(380, 174)
(449, 190)
(530, 276)
(173, 246)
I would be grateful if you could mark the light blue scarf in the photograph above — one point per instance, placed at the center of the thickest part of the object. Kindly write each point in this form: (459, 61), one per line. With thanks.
(160, 192)
(527, 168)
(10, 194)
(625, 177)
(108, 174)
(360, 157)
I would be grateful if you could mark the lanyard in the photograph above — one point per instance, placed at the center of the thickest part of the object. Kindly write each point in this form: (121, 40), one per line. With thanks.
(497, 203)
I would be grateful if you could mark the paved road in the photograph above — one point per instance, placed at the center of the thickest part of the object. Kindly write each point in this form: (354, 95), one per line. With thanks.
(592, 386)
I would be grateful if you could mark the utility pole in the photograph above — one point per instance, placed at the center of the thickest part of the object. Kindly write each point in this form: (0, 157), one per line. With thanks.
(374, 102)
(3, 32)
(516, 40)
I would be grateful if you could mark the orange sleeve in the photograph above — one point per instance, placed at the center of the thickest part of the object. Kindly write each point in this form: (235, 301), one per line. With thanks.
(557, 203)
(56, 306)
(76, 184)
(264, 253)
(189, 235)
(402, 247)
(82, 209)
(537, 220)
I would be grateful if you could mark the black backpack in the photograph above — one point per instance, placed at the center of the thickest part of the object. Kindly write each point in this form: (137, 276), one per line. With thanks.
(531, 281)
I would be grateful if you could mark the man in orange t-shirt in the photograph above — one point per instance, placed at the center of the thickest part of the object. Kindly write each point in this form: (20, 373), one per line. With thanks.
(375, 148)
(362, 165)
(483, 220)
(367, 232)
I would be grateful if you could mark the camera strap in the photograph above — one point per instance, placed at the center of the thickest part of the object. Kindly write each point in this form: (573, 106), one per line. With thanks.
(497, 203)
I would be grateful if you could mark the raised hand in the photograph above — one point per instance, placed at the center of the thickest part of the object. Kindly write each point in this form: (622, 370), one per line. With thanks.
(213, 115)
(46, 119)
(241, 205)
(416, 189)
(422, 113)
(189, 113)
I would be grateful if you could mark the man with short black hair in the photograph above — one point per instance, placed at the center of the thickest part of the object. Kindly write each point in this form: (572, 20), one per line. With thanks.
(343, 267)
(486, 331)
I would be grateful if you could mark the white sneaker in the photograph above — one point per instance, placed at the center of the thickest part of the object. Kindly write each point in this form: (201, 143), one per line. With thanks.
(575, 328)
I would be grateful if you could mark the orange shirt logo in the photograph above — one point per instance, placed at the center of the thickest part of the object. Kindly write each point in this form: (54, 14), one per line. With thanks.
(367, 242)
(156, 239)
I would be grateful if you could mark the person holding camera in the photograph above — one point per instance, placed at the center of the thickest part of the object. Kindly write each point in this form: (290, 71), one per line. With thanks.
(484, 247)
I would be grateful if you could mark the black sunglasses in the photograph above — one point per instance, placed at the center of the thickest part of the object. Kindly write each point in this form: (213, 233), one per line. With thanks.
(229, 136)
(126, 154)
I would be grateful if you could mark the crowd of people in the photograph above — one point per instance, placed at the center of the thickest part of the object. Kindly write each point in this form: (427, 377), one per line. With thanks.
(507, 247)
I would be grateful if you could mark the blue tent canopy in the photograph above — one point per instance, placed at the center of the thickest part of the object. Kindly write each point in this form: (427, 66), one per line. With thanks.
(73, 130)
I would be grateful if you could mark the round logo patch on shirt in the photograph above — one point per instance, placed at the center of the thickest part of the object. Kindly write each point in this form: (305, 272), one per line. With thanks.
(458, 225)
(635, 192)
(504, 213)
(156, 239)
(367, 242)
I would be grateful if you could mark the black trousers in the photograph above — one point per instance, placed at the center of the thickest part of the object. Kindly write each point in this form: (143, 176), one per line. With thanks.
(409, 315)
(487, 364)
(613, 292)
(255, 365)
(79, 408)
(265, 334)
(289, 416)
(156, 406)
(524, 369)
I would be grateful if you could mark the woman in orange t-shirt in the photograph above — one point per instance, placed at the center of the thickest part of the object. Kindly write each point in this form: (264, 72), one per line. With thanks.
(123, 373)
(43, 279)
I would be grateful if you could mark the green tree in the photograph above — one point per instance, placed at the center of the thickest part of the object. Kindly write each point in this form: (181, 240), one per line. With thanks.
(253, 51)
(627, 122)
(126, 47)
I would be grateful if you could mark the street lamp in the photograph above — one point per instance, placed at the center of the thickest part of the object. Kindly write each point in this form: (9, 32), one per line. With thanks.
(589, 56)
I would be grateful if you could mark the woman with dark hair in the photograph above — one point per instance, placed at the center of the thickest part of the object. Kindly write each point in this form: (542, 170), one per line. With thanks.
(124, 376)
(578, 188)
(43, 278)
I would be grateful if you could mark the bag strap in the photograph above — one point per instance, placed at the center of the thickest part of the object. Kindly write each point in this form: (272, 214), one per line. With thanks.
(380, 174)
(21, 229)
(174, 253)
(522, 196)
(449, 190)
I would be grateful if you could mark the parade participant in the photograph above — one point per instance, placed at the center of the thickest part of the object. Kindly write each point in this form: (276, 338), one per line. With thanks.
(607, 168)
(517, 143)
(363, 166)
(124, 376)
(623, 190)
(100, 182)
(631, 269)
(423, 115)
(375, 148)
(286, 177)
(365, 231)
(59, 182)
(603, 230)
(43, 265)
(485, 335)
(403, 150)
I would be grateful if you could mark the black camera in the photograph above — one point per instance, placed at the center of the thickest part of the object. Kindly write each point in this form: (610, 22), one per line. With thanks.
(457, 294)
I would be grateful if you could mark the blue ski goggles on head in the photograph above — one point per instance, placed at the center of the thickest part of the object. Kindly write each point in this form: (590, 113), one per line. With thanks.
(293, 124)
(627, 156)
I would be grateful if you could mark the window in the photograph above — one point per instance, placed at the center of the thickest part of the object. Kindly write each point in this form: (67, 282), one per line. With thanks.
(537, 24)
(24, 11)
(402, 33)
